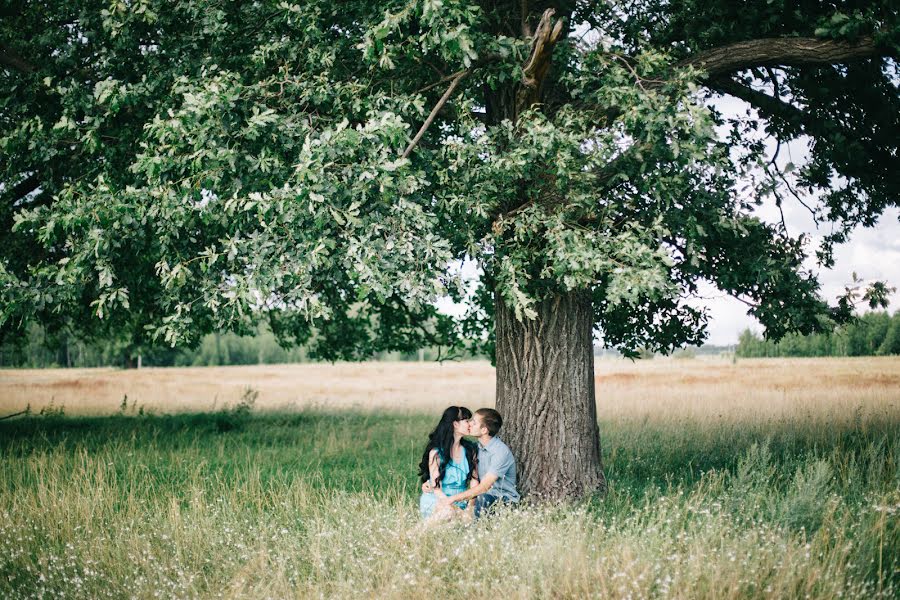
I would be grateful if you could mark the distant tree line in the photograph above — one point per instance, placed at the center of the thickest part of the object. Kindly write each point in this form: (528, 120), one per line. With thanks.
(872, 334)
(39, 350)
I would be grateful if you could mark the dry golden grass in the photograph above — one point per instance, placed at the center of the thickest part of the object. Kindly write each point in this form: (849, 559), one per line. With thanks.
(699, 389)
(707, 390)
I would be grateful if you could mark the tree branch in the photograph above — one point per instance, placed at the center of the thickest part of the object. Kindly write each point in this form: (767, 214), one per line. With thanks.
(795, 51)
(443, 79)
(14, 61)
(769, 104)
(434, 112)
(807, 123)
(23, 188)
(786, 51)
(534, 72)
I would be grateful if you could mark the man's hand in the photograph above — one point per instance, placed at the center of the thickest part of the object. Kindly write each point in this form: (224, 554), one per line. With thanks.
(443, 503)
(427, 488)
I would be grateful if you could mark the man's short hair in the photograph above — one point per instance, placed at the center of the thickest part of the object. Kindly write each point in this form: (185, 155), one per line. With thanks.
(491, 419)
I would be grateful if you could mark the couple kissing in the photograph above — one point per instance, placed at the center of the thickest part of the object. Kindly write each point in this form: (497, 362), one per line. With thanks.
(462, 479)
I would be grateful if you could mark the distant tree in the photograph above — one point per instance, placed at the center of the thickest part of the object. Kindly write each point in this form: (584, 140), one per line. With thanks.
(879, 323)
(174, 169)
(865, 336)
(750, 345)
(891, 342)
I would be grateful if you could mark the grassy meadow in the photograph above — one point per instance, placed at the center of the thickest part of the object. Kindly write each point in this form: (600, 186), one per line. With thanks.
(760, 479)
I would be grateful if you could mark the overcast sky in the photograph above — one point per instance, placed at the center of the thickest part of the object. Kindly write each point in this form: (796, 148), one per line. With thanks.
(873, 253)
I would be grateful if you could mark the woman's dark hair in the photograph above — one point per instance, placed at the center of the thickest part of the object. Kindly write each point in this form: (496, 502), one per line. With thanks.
(442, 439)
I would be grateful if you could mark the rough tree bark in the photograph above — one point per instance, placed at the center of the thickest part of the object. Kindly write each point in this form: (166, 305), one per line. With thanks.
(795, 51)
(545, 393)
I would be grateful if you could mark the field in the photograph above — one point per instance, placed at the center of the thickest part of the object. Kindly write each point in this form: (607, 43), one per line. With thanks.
(759, 479)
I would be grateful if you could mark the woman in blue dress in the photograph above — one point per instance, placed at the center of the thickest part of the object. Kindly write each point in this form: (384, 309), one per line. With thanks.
(450, 464)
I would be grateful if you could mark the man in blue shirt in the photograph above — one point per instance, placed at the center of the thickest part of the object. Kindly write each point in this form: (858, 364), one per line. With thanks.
(496, 465)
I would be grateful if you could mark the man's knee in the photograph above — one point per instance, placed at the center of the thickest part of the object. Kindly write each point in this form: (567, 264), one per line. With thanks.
(483, 503)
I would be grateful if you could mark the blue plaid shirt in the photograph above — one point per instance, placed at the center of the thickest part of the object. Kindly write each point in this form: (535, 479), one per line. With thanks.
(496, 458)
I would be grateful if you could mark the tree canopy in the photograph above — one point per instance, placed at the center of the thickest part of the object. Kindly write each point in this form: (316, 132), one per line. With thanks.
(174, 168)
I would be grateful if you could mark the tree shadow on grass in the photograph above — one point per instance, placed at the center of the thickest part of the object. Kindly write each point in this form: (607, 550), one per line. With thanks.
(355, 450)
(642, 455)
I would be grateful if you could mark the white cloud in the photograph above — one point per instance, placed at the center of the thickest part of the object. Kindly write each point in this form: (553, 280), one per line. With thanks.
(874, 254)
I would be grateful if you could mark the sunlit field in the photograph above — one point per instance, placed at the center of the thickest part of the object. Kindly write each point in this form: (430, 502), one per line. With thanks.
(702, 389)
(759, 479)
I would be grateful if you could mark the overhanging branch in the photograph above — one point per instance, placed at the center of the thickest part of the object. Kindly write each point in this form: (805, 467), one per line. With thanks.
(787, 51)
(12, 60)
(434, 112)
(22, 189)
(775, 107)
(769, 104)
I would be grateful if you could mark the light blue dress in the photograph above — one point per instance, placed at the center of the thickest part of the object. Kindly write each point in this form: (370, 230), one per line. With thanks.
(454, 482)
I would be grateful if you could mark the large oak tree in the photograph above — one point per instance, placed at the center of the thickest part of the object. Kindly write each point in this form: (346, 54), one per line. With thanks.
(172, 168)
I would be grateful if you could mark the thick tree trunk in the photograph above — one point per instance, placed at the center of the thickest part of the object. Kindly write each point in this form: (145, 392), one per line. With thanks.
(545, 394)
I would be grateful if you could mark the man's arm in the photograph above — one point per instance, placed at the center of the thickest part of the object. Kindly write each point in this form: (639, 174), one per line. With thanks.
(472, 484)
(479, 489)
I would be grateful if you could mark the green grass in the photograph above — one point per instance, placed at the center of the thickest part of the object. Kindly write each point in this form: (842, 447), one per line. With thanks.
(315, 504)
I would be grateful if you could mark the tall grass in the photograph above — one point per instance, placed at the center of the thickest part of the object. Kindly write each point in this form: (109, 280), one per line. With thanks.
(234, 504)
